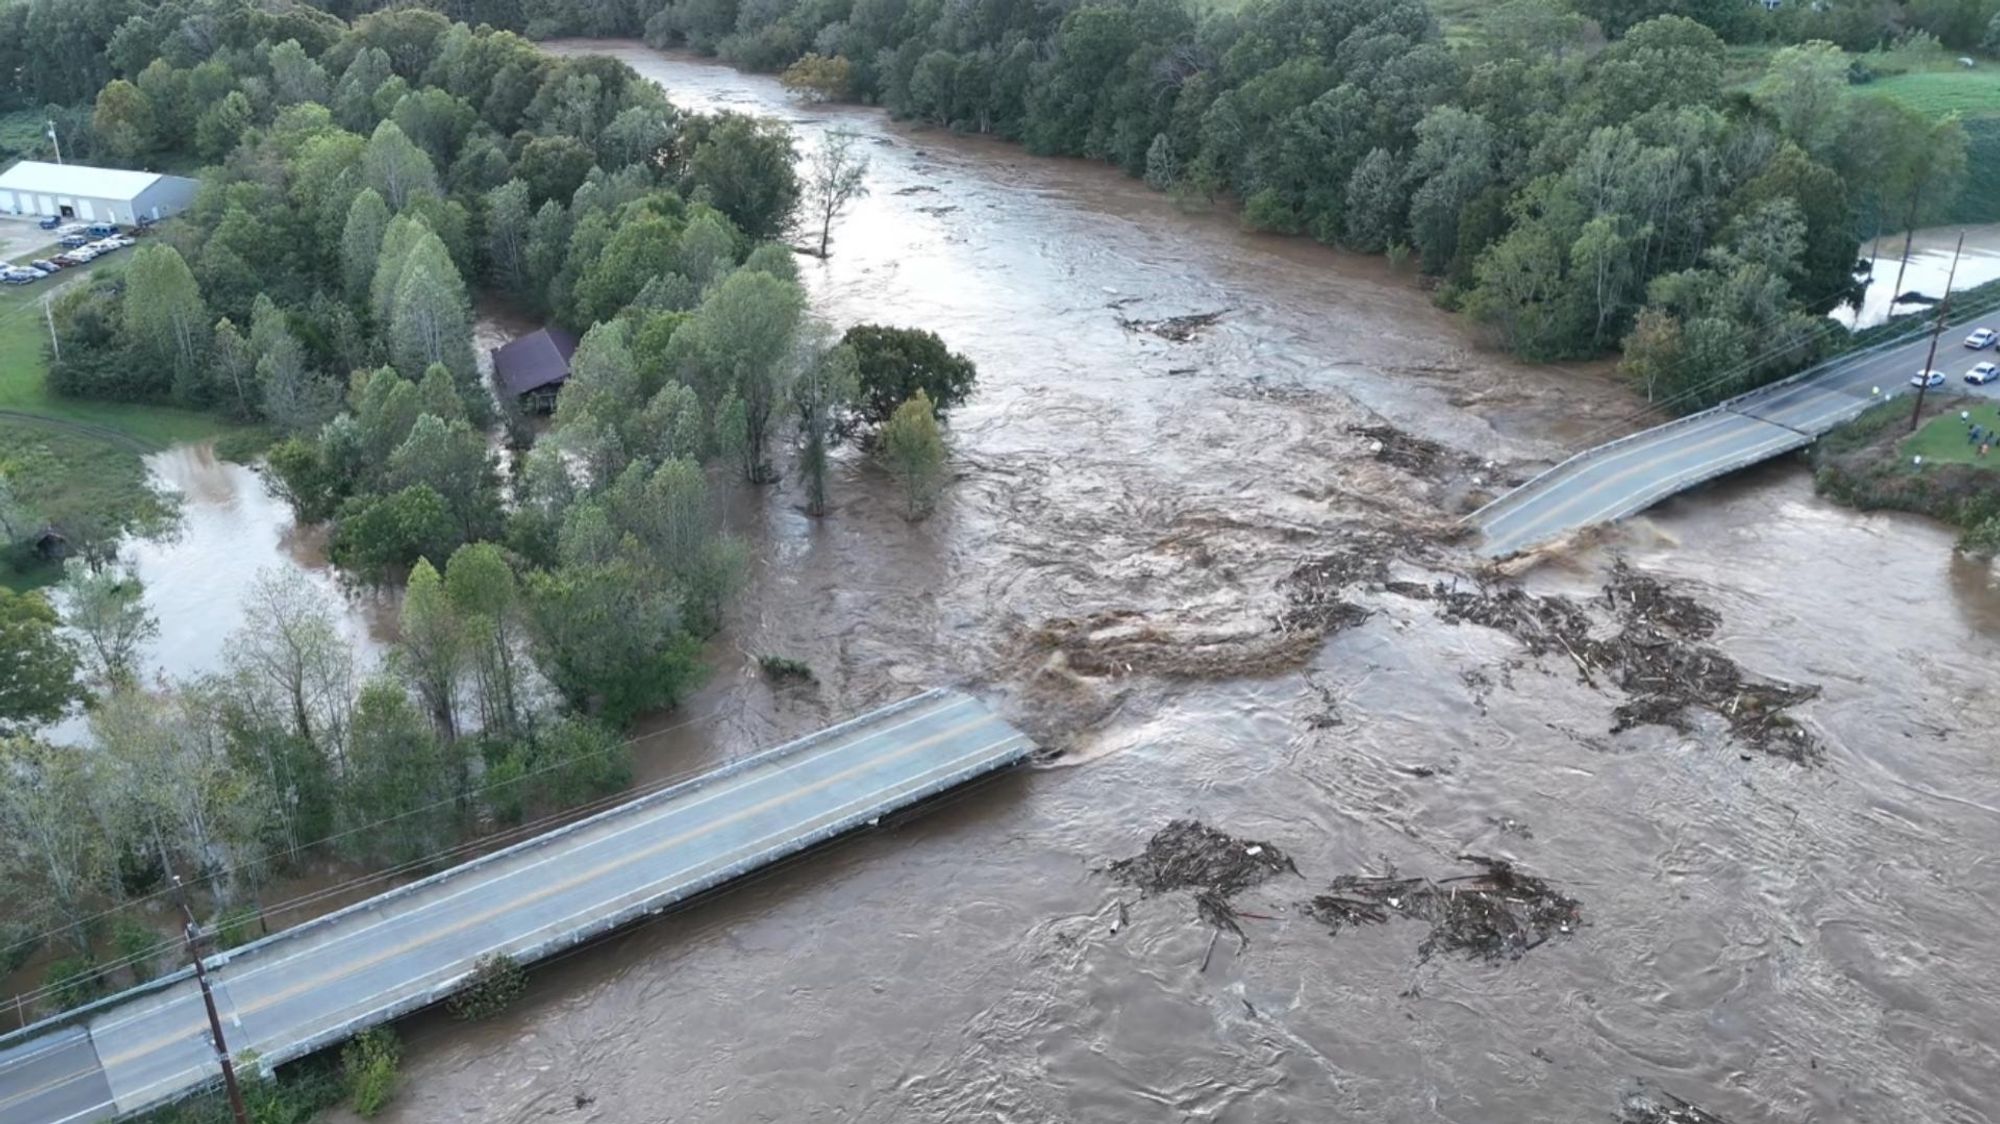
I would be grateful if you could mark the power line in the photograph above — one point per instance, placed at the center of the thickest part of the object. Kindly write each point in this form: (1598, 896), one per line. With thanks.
(454, 849)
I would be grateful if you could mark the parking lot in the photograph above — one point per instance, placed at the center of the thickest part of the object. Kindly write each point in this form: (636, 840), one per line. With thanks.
(74, 244)
(22, 238)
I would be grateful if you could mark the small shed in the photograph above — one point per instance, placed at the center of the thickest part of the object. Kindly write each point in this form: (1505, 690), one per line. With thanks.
(87, 194)
(533, 368)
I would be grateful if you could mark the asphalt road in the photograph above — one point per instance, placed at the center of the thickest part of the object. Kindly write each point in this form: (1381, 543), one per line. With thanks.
(320, 982)
(1632, 474)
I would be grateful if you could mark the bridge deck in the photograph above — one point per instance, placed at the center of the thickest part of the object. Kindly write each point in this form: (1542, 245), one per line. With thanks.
(315, 984)
(1631, 474)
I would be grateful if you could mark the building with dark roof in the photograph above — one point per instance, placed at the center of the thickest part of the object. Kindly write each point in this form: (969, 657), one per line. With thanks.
(533, 368)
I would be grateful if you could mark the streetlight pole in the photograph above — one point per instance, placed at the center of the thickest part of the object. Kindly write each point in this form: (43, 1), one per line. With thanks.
(1937, 329)
(192, 933)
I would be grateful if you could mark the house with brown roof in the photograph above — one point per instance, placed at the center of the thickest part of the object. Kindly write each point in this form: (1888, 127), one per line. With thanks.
(533, 368)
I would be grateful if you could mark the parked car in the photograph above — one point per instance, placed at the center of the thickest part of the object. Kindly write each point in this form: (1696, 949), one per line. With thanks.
(69, 259)
(102, 229)
(74, 240)
(1982, 338)
(1983, 374)
(18, 276)
(50, 222)
(45, 265)
(124, 240)
(1927, 378)
(82, 254)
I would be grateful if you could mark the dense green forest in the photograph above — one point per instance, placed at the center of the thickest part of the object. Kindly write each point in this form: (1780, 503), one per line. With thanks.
(1580, 177)
(361, 184)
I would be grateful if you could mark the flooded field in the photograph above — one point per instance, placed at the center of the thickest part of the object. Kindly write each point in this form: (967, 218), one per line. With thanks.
(1208, 573)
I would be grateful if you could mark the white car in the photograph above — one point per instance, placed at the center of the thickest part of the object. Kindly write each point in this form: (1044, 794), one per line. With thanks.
(83, 253)
(1983, 374)
(123, 240)
(1927, 378)
(1982, 338)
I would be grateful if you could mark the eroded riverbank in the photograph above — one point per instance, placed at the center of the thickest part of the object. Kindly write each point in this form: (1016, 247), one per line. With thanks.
(1767, 939)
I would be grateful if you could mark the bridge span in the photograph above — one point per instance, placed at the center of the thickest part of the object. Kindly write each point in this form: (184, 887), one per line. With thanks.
(1623, 477)
(320, 982)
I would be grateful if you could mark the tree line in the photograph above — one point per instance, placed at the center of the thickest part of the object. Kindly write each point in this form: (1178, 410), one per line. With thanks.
(1574, 195)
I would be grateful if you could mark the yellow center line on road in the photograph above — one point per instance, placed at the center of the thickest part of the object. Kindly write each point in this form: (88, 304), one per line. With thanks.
(1647, 465)
(912, 781)
(1619, 457)
(433, 936)
(197, 1026)
(1875, 367)
(1667, 487)
(733, 785)
(728, 787)
(610, 905)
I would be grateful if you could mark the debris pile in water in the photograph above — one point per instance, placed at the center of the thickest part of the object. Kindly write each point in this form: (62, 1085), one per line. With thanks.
(1126, 642)
(1178, 329)
(1494, 914)
(1190, 855)
(1417, 455)
(1312, 592)
(1656, 656)
(1647, 1106)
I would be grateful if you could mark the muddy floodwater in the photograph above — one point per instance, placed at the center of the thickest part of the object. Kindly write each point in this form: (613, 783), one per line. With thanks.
(1772, 941)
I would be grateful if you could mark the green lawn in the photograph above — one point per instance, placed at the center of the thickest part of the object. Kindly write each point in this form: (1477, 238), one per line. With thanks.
(1942, 439)
(1972, 93)
(23, 335)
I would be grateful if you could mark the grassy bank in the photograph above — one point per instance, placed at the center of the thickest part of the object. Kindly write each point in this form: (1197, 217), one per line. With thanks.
(1870, 463)
(24, 388)
(74, 463)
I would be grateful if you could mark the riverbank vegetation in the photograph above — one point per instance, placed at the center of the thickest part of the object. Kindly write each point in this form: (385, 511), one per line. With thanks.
(1876, 463)
(1580, 178)
(359, 184)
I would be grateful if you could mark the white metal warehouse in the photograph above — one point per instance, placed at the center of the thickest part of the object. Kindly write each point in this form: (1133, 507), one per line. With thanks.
(86, 194)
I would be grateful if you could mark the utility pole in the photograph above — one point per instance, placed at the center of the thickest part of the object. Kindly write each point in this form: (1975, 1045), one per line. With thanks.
(55, 345)
(193, 934)
(55, 140)
(1924, 377)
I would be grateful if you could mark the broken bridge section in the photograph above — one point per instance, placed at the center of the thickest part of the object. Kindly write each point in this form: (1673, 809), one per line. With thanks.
(313, 985)
(1627, 475)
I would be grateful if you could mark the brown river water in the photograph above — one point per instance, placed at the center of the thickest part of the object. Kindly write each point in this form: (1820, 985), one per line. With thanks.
(1771, 941)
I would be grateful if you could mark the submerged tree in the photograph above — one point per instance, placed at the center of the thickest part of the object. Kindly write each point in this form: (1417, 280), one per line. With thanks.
(835, 177)
(914, 450)
(827, 382)
(106, 605)
(38, 664)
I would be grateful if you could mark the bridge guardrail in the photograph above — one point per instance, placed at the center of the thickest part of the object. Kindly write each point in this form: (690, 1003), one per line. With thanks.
(306, 928)
(1816, 371)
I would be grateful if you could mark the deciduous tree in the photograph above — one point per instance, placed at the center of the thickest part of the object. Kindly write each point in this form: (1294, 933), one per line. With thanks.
(38, 663)
(836, 176)
(914, 450)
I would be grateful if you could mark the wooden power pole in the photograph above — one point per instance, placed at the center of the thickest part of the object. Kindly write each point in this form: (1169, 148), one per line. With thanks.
(1937, 329)
(193, 934)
